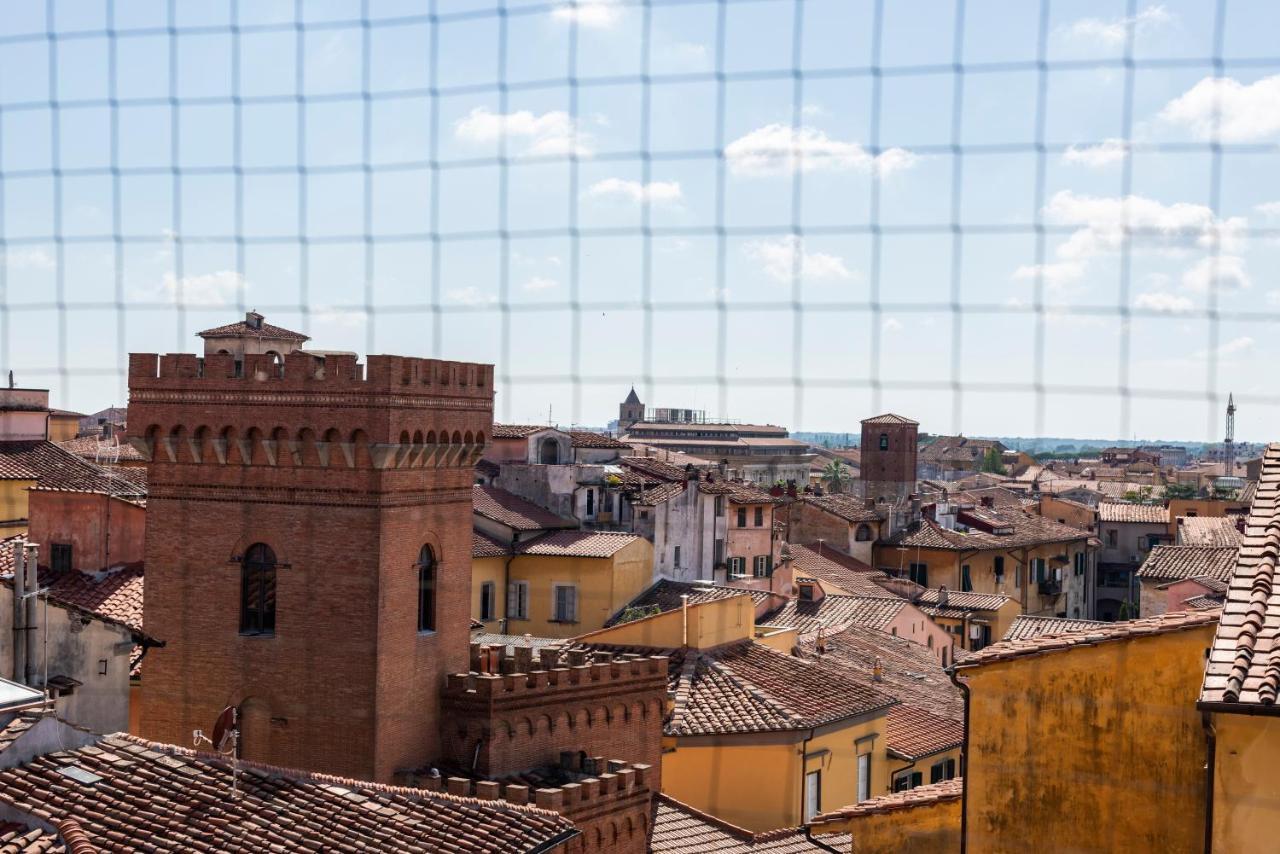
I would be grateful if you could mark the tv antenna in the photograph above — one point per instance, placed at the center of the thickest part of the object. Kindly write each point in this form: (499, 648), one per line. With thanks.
(225, 740)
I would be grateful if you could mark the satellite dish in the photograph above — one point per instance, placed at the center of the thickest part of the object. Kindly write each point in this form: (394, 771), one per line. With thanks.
(223, 728)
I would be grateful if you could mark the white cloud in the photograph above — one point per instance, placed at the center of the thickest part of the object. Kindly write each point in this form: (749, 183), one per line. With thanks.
(1225, 273)
(342, 316)
(470, 295)
(780, 257)
(891, 324)
(779, 149)
(1055, 274)
(1167, 303)
(550, 133)
(1112, 32)
(1103, 220)
(222, 288)
(656, 192)
(1268, 209)
(1228, 110)
(28, 259)
(540, 283)
(1235, 346)
(596, 14)
(1096, 156)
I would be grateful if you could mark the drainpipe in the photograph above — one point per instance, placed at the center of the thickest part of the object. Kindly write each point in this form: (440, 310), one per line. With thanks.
(684, 620)
(506, 584)
(1211, 744)
(964, 761)
(32, 602)
(19, 612)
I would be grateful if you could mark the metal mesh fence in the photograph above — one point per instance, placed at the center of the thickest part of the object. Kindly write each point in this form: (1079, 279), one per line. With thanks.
(1044, 218)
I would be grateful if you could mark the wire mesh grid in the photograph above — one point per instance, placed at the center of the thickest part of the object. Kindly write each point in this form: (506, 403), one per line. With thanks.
(105, 113)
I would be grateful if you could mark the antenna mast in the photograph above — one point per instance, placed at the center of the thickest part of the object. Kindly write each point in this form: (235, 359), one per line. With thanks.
(1229, 446)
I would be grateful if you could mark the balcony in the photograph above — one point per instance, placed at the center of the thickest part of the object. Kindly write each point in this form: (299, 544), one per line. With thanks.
(1050, 587)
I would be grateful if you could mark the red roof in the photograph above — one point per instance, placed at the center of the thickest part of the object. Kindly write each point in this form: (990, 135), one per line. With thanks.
(483, 545)
(52, 466)
(578, 544)
(680, 829)
(920, 796)
(889, 418)
(513, 511)
(114, 597)
(244, 330)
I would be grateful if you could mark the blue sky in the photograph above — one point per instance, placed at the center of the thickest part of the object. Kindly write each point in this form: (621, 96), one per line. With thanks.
(756, 267)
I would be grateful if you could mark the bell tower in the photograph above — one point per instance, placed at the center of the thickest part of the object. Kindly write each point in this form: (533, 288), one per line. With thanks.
(630, 411)
(308, 549)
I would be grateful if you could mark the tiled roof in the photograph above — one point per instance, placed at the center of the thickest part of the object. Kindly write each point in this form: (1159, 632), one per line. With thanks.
(516, 431)
(840, 570)
(738, 492)
(11, 731)
(913, 733)
(17, 838)
(1170, 562)
(1208, 531)
(588, 439)
(960, 602)
(1025, 626)
(530, 641)
(244, 330)
(114, 596)
(681, 829)
(89, 448)
(846, 507)
(578, 544)
(665, 595)
(1028, 529)
(276, 809)
(654, 468)
(1115, 511)
(55, 467)
(957, 449)
(1244, 663)
(1173, 621)
(1204, 603)
(513, 511)
(482, 545)
(487, 468)
(909, 671)
(749, 687)
(835, 613)
(920, 796)
(660, 494)
(888, 418)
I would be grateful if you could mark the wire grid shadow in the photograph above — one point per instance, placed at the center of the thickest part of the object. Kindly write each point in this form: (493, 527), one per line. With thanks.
(992, 214)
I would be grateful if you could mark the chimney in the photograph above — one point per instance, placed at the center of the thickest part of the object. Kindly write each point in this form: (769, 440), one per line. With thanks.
(253, 320)
(877, 671)
(942, 596)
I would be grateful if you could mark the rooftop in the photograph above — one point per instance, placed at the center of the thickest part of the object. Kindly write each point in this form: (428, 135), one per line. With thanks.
(113, 596)
(590, 439)
(126, 788)
(1208, 531)
(1151, 514)
(835, 613)
(1174, 621)
(513, 511)
(920, 796)
(91, 447)
(261, 329)
(1025, 529)
(1026, 627)
(483, 545)
(664, 594)
(1176, 562)
(889, 418)
(1244, 663)
(681, 829)
(838, 569)
(846, 507)
(600, 544)
(55, 467)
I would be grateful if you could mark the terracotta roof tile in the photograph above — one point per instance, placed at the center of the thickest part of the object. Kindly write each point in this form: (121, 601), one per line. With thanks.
(846, 507)
(934, 793)
(913, 733)
(276, 809)
(482, 545)
(665, 594)
(1026, 529)
(1244, 663)
(660, 494)
(244, 330)
(55, 467)
(114, 596)
(590, 439)
(888, 418)
(1204, 603)
(1208, 531)
(840, 570)
(18, 838)
(578, 544)
(1172, 562)
(739, 492)
(681, 829)
(516, 431)
(835, 613)
(959, 602)
(93, 449)
(1173, 621)
(1025, 626)
(1116, 511)
(654, 468)
(513, 511)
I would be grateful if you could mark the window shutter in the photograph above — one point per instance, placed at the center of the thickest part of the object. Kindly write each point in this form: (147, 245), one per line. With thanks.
(916, 778)
(571, 601)
(513, 599)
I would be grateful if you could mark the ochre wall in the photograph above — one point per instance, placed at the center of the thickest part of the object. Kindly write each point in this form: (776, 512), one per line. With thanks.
(13, 505)
(1246, 790)
(604, 585)
(1100, 745)
(62, 428)
(755, 781)
(711, 624)
(932, 828)
(81, 519)
(490, 569)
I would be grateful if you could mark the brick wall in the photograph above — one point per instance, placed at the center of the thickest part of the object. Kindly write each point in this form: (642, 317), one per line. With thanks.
(345, 477)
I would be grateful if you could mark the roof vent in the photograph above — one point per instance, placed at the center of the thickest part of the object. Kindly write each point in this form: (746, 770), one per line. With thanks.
(253, 320)
(80, 775)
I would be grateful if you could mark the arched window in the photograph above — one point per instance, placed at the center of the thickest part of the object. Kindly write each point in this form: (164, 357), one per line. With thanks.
(863, 533)
(549, 452)
(426, 590)
(884, 441)
(258, 591)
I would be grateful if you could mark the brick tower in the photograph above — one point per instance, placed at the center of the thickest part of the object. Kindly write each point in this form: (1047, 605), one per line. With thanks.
(308, 549)
(888, 462)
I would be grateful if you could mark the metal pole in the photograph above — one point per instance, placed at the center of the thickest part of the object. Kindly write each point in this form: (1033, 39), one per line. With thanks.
(32, 587)
(19, 611)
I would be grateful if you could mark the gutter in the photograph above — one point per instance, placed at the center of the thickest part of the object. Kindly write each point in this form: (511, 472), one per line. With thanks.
(555, 841)
(964, 760)
(506, 584)
(1211, 746)
(808, 835)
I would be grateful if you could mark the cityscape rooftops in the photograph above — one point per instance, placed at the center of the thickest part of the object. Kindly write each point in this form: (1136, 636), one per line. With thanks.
(681, 829)
(1026, 626)
(1208, 531)
(1174, 562)
(513, 511)
(1151, 514)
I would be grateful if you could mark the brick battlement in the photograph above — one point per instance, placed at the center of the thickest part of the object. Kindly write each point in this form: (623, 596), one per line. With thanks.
(620, 778)
(304, 371)
(617, 675)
